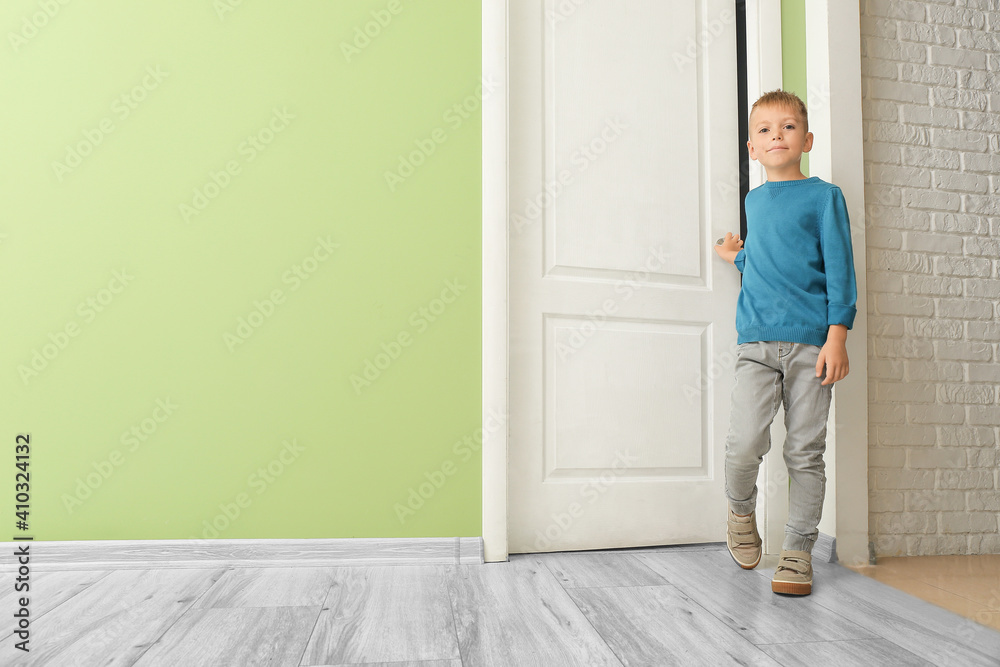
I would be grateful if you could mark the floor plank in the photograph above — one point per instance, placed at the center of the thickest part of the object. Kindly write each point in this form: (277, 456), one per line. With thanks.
(662, 548)
(990, 619)
(744, 601)
(942, 598)
(932, 566)
(660, 625)
(585, 569)
(273, 636)
(270, 587)
(879, 652)
(982, 589)
(385, 614)
(943, 581)
(931, 632)
(516, 613)
(115, 618)
(612, 607)
(405, 663)
(47, 590)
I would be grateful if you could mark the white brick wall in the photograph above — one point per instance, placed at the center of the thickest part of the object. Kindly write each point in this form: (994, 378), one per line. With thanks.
(931, 109)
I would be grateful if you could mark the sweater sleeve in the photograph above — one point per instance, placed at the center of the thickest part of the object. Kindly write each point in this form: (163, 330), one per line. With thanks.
(740, 260)
(838, 261)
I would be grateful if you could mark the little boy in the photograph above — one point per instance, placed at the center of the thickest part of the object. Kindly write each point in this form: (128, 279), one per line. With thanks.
(792, 316)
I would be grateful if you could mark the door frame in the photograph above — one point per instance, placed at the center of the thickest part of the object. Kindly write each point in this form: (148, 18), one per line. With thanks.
(835, 110)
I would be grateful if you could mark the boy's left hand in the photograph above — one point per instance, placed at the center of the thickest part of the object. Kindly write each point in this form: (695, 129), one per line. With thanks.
(727, 248)
(834, 355)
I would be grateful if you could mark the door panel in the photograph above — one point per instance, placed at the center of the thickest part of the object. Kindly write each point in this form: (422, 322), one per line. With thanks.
(624, 171)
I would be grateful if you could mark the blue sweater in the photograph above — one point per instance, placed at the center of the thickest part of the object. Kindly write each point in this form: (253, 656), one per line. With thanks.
(797, 263)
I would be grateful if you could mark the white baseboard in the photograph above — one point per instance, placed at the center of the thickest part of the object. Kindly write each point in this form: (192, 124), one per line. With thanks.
(825, 549)
(48, 556)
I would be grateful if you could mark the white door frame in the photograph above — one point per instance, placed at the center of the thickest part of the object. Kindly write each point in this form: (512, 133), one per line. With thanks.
(833, 70)
(835, 110)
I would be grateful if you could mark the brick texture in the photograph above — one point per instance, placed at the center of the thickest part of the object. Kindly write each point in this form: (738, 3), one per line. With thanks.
(931, 113)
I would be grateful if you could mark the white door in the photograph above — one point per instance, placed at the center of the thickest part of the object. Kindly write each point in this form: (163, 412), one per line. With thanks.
(623, 172)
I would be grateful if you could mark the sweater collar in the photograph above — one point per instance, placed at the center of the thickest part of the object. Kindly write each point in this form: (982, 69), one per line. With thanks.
(784, 184)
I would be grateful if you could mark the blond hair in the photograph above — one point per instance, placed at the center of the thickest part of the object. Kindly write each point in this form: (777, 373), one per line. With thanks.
(783, 98)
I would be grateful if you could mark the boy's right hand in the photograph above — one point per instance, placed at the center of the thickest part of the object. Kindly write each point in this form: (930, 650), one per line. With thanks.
(728, 247)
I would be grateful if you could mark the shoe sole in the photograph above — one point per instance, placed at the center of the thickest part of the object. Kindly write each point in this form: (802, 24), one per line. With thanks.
(745, 567)
(791, 587)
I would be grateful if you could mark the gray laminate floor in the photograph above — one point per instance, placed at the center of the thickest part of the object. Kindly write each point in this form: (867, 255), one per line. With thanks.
(664, 606)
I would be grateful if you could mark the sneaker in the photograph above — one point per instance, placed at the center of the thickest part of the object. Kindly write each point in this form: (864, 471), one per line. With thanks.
(794, 574)
(743, 540)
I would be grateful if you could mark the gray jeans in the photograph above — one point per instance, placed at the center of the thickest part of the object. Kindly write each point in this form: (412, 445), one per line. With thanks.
(769, 372)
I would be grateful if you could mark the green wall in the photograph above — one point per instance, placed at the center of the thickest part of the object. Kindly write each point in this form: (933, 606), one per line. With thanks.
(793, 54)
(171, 169)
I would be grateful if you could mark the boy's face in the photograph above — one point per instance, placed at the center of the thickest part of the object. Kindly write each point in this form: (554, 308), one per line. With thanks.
(778, 138)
